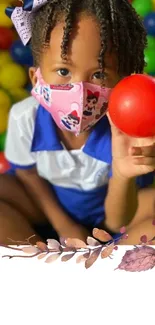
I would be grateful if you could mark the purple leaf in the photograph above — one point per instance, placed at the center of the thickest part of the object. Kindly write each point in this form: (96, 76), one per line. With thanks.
(30, 250)
(42, 246)
(92, 242)
(67, 257)
(42, 255)
(52, 258)
(125, 236)
(101, 235)
(107, 251)
(143, 239)
(75, 243)
(53, 244)
(93, 257)
(138, 259)
(87, 255)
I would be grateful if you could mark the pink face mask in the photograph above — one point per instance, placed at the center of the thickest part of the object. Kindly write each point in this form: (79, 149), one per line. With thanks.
(75, 107)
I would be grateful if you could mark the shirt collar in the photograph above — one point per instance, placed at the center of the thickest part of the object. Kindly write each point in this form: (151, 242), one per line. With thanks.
(45, 137)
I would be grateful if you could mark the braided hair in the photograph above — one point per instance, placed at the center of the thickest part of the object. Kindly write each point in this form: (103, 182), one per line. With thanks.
(118, 22)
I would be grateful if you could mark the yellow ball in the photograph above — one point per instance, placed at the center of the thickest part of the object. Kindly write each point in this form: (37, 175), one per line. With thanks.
(153, 4)
(5, 57)
(13, 75)
(3, 120)
(4, 20)
(6, 2)
(19, 94)
(5, 101)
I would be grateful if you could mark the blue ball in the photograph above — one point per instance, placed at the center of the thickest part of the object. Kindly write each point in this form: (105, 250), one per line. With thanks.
(21, 54)
(149, 23)
(29, 87)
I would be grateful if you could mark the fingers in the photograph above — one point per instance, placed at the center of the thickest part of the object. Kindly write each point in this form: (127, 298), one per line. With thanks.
(147, 161)
(146, 151)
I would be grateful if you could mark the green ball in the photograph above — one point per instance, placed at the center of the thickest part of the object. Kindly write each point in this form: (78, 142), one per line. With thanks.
(143, 7)
(2, 141)
(149, 59)
(151, 42)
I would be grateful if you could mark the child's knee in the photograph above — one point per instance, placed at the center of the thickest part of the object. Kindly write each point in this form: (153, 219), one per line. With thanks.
(8, 185)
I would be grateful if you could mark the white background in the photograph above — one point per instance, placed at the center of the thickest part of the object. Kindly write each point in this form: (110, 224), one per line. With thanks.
(33, 292)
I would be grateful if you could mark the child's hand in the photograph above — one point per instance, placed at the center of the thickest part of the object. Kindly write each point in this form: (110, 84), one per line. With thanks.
(132, 156)
(75, 231)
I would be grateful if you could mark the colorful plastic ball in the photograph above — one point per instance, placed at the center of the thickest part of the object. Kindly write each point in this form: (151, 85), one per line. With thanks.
(13, 75)
(7, 2)
(142, 7)
(18, 94)
(21, 54)
(149, 23)
(153, 1)
(4, 20)
(5, 57)
(4, 164)
(2, 141)
(150, 61)
(6, 38)
(132, 106)
(3, 120)
(5, 100)
(151, 42)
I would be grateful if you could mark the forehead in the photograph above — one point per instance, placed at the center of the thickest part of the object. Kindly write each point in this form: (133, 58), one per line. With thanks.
(84, 46)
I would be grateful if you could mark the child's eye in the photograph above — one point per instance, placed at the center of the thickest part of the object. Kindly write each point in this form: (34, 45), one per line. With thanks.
(99, 75)
(63, 72)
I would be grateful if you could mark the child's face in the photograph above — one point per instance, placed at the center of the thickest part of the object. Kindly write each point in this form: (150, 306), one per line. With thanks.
(82, 61)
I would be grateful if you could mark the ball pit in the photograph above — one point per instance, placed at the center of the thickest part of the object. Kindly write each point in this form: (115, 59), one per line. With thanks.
(14, 84)
(12, 75)
(146, 9)
(4, 20)
(21, 54)
(5, 100)
(143, 7)
(2, 141)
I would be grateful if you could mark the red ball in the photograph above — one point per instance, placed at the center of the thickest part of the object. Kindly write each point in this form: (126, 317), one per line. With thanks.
(4, 165)
(132, 106)
(6, 38)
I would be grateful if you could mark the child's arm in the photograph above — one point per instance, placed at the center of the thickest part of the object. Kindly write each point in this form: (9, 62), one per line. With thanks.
(18, 152)
(121, 202)
(46, 200)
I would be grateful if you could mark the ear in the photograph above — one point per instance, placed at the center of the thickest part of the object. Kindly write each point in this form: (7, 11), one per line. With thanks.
(32, 75)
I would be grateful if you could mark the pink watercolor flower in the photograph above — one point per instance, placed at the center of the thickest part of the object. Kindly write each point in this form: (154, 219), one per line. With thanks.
(138, 259)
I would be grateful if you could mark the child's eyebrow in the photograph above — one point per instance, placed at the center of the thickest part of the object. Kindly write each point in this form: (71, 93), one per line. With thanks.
(70, 63)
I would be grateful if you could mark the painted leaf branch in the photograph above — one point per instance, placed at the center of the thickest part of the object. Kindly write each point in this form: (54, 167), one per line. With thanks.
(68, 248)
(101, 244)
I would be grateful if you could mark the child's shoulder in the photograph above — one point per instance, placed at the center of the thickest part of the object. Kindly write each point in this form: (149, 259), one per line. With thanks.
(26, 107)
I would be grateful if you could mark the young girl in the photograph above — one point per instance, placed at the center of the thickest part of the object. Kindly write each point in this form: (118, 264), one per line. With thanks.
(65, 181)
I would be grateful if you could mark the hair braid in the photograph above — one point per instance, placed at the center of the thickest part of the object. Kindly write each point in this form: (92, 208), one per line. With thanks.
(69, 20)
(101, 14)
